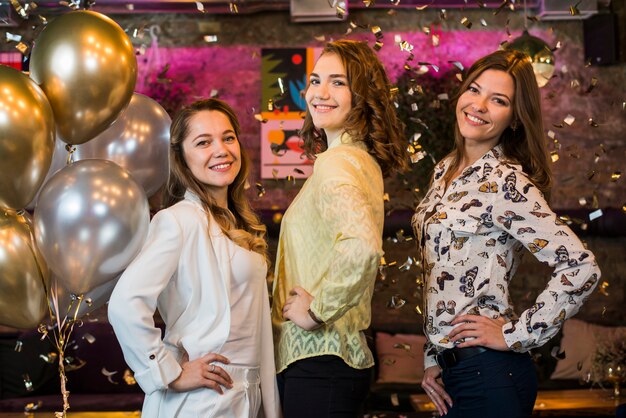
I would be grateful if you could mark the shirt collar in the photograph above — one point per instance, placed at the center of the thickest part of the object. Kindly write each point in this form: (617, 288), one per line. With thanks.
(189, 195)
(344, 138)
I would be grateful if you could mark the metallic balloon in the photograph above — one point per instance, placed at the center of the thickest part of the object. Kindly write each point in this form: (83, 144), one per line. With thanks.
(92, 300)
(90, 222)
(86, 65)
(26, 138)
(24, 274)
(541, 56)
(59, 160)
(138, 141)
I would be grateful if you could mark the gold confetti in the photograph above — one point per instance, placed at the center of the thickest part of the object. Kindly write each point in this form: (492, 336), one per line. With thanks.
(459, 77)
(603, 311)
(270, 105)
(603, 288)
(591, 174)
(260, 118)
(582, 201)
(573, 10)
(417, 156)
(554, 155)
(369, 3)
(592, 123)
(551, 134)
(500, 7)
(402, 346)
(386, 197)
(405, 46)
(574, 84)
(233, 8)
(443, 15)
(569, 119)
(378, 45)
(466, 22)
(18, 346)
(426, 30)
(210, 39)
(277, 217)
(129, 378)
(615, 176)
(418, 310)
(435, 40)
(341, 12)
(377, 31)
(421, 7)
(320, 38)
(22, 47)
(260, 190)
(32, 407)
(483, 22)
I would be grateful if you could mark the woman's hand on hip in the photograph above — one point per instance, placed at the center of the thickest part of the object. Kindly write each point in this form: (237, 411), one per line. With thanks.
(296, 309)
(481, 330)
(203, 372)
(435, 390)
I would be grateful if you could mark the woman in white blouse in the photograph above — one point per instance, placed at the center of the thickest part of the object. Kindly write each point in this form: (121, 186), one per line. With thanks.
(204, 267)
(486, 204)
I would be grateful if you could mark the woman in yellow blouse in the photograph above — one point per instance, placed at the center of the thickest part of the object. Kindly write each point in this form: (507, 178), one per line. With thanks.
(487, 202)
(331, 235)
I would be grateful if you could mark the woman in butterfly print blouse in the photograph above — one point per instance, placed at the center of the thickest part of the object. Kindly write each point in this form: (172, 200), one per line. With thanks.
(486, 205)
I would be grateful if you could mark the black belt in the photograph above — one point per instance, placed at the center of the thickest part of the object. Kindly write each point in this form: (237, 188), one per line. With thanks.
(452, 356)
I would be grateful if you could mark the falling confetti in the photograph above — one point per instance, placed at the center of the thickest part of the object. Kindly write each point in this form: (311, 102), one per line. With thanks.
(595, 214)
(569, 119)
(615, 176)
(603, 288)
(396, 302)
(200, 7)
(18, 346)
(129, 378)
(466, 22)
(109, 375)
(260, 190)
(28, 384)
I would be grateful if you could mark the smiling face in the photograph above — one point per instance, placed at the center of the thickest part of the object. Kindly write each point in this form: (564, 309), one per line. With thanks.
(212, 153)
(485, 109)
(328, 96)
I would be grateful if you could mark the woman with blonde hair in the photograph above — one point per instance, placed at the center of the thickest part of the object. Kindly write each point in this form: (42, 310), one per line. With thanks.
(486, 204)
(331, 236)
(204, 267)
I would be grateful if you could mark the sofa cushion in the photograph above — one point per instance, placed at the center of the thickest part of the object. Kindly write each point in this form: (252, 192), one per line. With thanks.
(400, 358)
(579, 342)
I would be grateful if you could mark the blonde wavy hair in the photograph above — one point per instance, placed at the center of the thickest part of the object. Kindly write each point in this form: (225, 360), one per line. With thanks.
(239, 222)
(524, 145)
(372, 118)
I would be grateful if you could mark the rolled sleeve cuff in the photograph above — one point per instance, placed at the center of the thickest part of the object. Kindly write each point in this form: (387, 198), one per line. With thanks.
(515, 337)
(429, 361)
(162, 370)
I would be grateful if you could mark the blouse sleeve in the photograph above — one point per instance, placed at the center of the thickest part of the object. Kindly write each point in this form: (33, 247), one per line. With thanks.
(355, 255)
(521, 210)
(134, 302)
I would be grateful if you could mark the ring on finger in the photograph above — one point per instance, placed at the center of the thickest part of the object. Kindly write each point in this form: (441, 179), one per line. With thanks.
(212, 368)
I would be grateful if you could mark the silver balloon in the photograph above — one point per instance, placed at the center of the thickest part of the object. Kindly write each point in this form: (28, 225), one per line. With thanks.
(92, 300)
(138, 141)
(59, 160)
(90, 222)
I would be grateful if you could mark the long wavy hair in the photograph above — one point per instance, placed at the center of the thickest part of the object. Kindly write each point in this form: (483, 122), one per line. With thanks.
(238, 221)
(524, 145)
(372, 118)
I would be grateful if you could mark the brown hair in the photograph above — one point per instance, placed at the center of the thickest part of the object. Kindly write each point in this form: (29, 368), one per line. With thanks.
(524, 145)
(372, 119)
(240, 223)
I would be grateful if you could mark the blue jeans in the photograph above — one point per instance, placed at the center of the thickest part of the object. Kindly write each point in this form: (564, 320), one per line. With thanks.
(493, 384)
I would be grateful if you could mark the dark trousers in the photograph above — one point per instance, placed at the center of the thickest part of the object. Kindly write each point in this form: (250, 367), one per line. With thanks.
(323, 386)
(493, 384)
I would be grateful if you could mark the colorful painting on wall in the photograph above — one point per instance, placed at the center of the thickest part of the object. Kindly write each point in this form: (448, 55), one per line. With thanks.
(284, 74)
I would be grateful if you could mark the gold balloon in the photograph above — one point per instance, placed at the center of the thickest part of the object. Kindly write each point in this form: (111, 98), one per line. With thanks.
(541, 56)
(26, 138)
(23, 274)
(86, 65)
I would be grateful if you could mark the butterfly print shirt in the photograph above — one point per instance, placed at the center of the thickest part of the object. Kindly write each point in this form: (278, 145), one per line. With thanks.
(472, 237)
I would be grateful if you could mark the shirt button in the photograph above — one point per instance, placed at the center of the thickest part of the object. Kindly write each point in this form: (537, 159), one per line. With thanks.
(152, 356)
